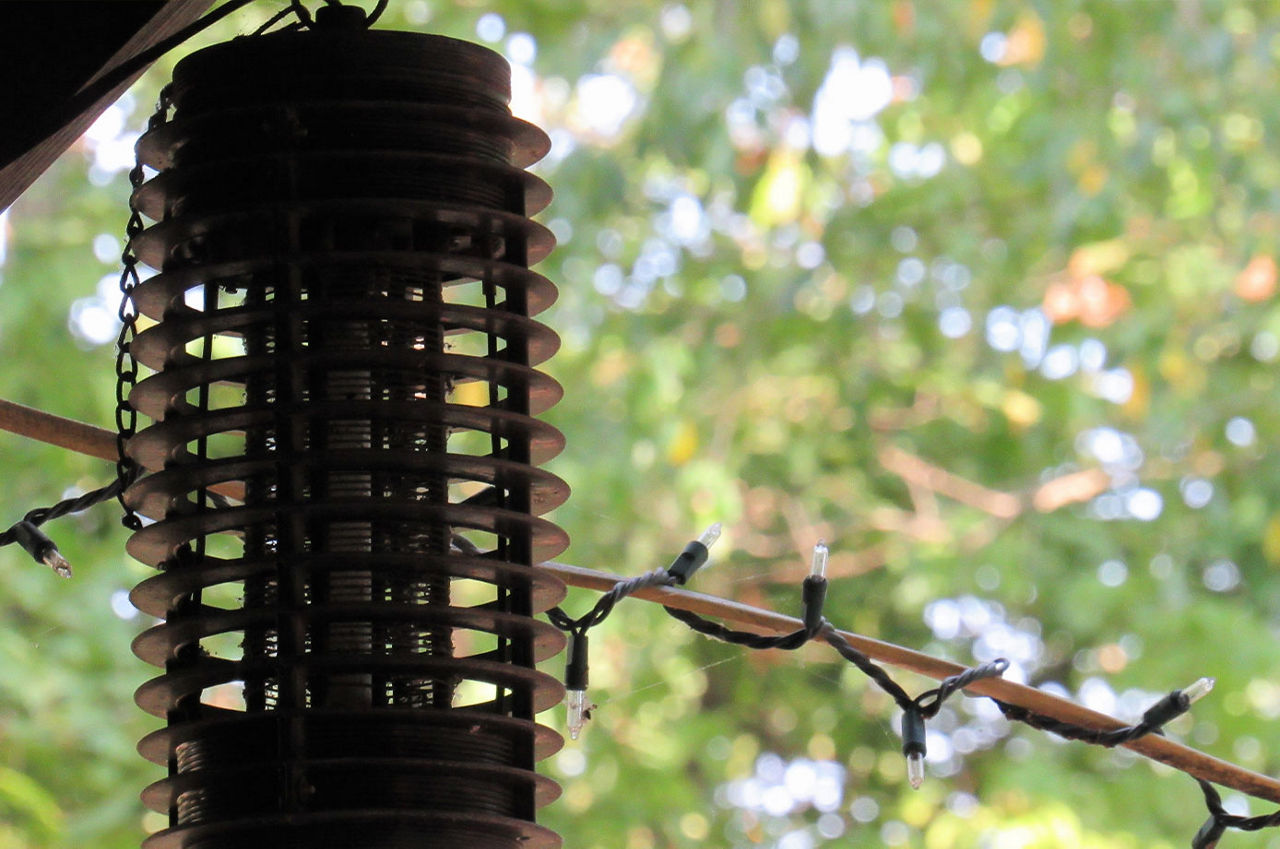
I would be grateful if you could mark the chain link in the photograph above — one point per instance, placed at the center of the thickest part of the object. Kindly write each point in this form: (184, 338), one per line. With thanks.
(127, 469)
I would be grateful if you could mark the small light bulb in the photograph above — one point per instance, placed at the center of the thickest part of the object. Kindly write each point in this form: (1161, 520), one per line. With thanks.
(818, 566)
(577, 702)
(1198, 690)
(914, 740)
(695, 555)
(915, 769)
(55, 561)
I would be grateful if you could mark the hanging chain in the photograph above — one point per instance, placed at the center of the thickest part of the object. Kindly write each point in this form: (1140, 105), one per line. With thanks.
(127, 468)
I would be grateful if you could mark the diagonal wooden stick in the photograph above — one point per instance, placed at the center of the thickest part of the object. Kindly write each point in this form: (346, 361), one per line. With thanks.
(82, 438)
(55, 430)
(1157, 748)
(95, 441)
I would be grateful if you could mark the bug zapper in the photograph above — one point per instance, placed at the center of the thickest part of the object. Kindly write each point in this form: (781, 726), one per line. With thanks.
(340, 335)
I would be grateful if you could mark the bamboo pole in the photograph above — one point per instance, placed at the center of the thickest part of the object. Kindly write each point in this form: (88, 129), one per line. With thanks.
(87, 439)
(1162, 749)
(55, 430)
(97, 442)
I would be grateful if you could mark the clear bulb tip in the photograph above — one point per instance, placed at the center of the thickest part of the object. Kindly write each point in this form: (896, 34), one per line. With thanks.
(915, 770)
(55, 561)
(711, 534)
(1201, 688)
(818, 566)
(577, 703)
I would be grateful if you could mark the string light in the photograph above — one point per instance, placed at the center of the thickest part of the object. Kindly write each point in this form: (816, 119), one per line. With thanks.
(913, 745)
(575, 682)
(818, 565)
(915, 712)
(1164, 711)
(40, 547)
(814, 589)
(694, 555)
(689, 561)
(37, 543)
(1219, 820)
(1197, 691)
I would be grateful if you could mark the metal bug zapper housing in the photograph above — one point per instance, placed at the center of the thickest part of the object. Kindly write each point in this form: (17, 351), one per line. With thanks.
(340, 326)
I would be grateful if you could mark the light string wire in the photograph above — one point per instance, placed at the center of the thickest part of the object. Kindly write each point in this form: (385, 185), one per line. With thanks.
(26, 532)
(914, 710)
(1219, 820)
(94, 441)
(813, 626)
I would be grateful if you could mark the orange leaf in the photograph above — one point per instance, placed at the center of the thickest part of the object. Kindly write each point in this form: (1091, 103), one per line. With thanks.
(1257, 281)
(1026, 42)
(1101, 303)
(904, 16)
(1060, 303)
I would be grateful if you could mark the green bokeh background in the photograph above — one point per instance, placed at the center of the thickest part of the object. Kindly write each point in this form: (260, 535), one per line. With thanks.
(806, 248)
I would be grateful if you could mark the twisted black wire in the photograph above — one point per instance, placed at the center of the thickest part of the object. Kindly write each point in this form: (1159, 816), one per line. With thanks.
(715, 630)
(605, 604)
(930, 702)
(40, 515)
(1219, 820)
(927, 704)
(1152, 721)
(868, 667)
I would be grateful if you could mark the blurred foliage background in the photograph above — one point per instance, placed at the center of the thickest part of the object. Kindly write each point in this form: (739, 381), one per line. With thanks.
(983, 293)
